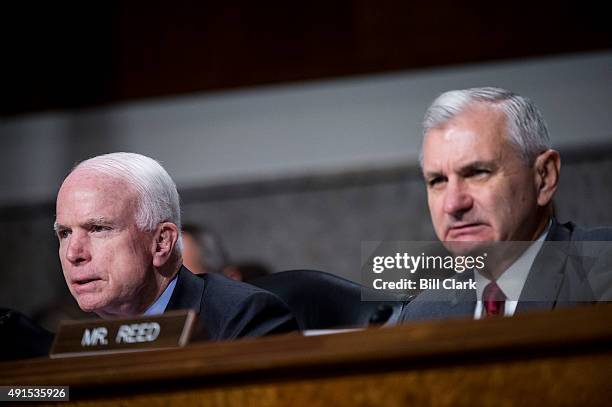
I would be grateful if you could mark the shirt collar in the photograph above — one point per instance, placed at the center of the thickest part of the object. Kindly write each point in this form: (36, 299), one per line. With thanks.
(159, 306)
(513, 279)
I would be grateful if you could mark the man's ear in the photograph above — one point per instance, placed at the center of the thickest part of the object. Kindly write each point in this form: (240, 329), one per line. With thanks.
(547, 168)
(166, 237)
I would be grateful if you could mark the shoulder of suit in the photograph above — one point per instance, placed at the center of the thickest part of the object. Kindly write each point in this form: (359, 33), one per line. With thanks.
(599, 233)
(220, 282)
(571, 231)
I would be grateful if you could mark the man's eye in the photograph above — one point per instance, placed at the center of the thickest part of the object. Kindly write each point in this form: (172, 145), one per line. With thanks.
(478, 172)
(100, 228)
(62, 234)
(435, 181)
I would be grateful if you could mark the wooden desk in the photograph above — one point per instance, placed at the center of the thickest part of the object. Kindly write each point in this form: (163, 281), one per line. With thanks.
(553, 358)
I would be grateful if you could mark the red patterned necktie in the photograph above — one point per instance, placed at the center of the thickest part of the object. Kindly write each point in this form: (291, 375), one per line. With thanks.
(493, 298)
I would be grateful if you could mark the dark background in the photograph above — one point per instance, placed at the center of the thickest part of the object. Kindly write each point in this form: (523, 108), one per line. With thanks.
(59, 55)
(66, 57)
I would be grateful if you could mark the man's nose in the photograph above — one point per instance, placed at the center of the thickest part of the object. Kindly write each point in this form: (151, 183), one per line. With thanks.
(78, 249)
(457, 198)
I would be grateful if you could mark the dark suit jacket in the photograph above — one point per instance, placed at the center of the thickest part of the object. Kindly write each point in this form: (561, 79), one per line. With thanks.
(574, 266)
(229, 309)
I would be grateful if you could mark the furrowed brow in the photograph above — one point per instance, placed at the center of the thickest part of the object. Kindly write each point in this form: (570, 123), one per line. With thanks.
(100, 220)
(432, 174)
(477, 165)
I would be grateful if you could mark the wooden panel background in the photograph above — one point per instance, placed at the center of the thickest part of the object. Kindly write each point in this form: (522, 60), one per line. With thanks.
(66, 55)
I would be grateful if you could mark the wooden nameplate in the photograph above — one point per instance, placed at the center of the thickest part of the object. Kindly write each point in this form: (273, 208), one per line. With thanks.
(104, 336)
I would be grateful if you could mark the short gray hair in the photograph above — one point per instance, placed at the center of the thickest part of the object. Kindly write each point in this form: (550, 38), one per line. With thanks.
(527, 130)
(158, 199)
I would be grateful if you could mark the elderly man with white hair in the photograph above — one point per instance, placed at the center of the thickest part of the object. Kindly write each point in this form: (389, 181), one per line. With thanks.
(118, 225)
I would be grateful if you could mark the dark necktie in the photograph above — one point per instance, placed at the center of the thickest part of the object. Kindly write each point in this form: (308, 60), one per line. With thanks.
(493, 298)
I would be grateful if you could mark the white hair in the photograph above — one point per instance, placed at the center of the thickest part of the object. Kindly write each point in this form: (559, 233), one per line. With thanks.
(158, 199)
(527, 130)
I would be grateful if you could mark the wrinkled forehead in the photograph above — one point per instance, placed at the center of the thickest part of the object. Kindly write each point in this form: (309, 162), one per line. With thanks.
(94, 185)
(87, 178)
(484, 116)
(480, 130)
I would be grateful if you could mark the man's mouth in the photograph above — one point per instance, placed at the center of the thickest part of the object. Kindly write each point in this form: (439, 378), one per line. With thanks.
(463, 231)
(84, 284)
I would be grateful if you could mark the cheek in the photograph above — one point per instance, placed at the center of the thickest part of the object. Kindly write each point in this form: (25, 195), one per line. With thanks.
(109, 261)
(433, 201)
(522, 198)
(130, 256)
(104, 253)
(436, 213)
(496, 202)
(502, 207)
(61, 251)
(63, 261)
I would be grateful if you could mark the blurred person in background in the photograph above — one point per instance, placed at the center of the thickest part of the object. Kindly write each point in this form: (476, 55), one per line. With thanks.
(204, 252)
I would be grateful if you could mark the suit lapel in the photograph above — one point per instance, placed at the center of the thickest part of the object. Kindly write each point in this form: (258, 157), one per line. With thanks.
(438, 304)
(544, 281)
(543, 288)
(462, 303)
(188, 291)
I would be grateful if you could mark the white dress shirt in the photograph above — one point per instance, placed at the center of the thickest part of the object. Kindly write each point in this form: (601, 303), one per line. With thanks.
(512, 280)
(159, 306)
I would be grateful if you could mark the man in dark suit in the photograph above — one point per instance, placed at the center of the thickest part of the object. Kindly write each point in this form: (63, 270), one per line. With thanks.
(229, 309)
(491, 177)
(118, 225)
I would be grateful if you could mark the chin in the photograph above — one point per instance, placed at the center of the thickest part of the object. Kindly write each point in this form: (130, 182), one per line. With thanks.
(467, 247)
(88, 305)
(86, 308)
